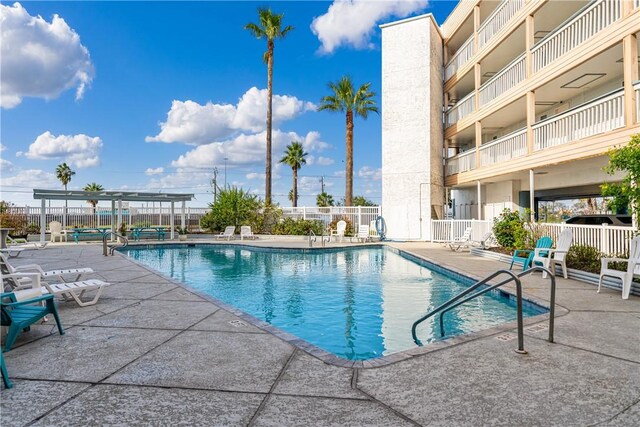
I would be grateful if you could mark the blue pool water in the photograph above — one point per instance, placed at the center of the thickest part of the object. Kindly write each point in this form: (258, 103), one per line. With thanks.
(357, 303)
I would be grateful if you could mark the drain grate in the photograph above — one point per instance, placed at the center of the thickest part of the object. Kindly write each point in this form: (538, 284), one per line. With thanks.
(237, 323)
(537, 328)
(506, 337)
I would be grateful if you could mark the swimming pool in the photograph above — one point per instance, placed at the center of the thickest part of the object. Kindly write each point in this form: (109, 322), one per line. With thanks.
(357, 303)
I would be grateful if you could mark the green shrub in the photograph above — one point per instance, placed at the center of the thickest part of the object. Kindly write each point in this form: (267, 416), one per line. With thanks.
(13, 217)
(33, 228)
(298, 227)
(267, 218)
(233, 207)
(510, 231)
(585, 258)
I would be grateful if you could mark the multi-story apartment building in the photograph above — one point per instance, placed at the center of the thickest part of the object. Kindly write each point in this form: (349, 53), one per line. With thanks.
(507, 103)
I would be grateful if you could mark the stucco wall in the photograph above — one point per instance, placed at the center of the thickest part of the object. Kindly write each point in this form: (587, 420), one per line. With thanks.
(411, 127)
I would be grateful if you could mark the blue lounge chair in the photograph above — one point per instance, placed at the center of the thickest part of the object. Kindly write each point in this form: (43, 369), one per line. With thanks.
(5, 375)
(525, 256)
(20, 315)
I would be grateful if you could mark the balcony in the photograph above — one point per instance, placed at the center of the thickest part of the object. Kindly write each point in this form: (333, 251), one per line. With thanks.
(506, 148)
(461, 57)
(507, 78)
(576, 30)
(498, 19)
(462, 162)
(463, 108)
(598, 116)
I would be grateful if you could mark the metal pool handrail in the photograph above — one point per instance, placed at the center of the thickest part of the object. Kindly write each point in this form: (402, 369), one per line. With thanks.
(492, 287)
(112, 249)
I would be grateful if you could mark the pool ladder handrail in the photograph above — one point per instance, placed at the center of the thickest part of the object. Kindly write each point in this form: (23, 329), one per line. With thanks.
(109, 249)
(315, 238)
(443, 308)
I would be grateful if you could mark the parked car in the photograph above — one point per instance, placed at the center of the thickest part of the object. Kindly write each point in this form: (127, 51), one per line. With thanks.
(615, 220)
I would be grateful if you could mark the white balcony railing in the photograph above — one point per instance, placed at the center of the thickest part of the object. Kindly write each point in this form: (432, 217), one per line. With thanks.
(463, 108)
(637, 86)
(582, 26)
(498, 19)
(461, 57)
(507, 78)
(462, 162)
(601, 115)
(505, 148)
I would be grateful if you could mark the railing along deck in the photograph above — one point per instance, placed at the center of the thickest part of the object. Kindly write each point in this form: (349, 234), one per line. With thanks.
(602, 115)
(588, 22)
(507, 78)
(463, 108)
(460, 58)
(637, 87)
(462, 162)
(498, 19)
(505, 148)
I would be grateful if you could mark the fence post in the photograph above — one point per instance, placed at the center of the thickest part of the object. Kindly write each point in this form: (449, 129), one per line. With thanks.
(451, 230)
(304, 212)
(359, 216)
(604, 239)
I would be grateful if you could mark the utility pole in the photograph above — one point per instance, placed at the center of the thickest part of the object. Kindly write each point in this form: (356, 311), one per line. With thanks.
(214, 184)
(322, 183)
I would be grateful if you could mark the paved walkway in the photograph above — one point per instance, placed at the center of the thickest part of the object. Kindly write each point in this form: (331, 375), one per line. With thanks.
(153, 353)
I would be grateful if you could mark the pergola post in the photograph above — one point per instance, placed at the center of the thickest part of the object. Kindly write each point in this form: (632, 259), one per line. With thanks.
(119, 213)
(43, 218)
(182, 214)
(172, 219)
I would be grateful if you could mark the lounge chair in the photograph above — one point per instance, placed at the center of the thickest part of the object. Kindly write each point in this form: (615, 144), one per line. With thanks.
(363, 233)
(228, 233)
(341, 227)
(548, 258)
(245, 232)
(461, 242)
(7, 268)
(633, 268)
(525, 256)
(12, 252)
(69, 291)
(25, 244)
(488, 240)
(5, 374)
(55, 228)
(20, 315)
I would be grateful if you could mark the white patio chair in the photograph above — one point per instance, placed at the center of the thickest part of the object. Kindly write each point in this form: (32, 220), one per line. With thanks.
(341, 227)
(363, 233)
(245, 232)
(487, 240)
(55, 228)
(633, 268)
(228, 233)
(26, 244)
(464, 241)
(7, 268)
(550, 257)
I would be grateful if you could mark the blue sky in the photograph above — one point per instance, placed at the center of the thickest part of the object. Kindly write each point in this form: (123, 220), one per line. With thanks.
(153, 95)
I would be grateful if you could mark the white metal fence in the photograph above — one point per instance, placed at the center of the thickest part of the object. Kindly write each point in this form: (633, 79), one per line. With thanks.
(507, 78)
(462, 162)
(504, 148)
(460, 58)
(498, 19)
(462, 109)
(357, 215)
(610, 240)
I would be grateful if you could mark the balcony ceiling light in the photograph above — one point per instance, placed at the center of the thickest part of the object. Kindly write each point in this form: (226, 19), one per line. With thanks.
(547, 103)
(489, 74)
(583, 80)
(540, 34)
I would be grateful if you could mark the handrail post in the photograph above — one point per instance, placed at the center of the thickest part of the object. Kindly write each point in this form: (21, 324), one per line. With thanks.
(520, 349)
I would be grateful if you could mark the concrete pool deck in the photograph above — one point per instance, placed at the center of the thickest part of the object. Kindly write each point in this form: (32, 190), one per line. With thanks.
(153, 353)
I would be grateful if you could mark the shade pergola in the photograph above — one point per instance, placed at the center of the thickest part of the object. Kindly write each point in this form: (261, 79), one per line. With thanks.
(113, 196)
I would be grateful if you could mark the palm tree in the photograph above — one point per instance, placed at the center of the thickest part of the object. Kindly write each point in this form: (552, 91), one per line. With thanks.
(64, 174)
(359, 102)
(294, 156)
(324, 200)
(93, 187)
(269, 28)
(290, 197)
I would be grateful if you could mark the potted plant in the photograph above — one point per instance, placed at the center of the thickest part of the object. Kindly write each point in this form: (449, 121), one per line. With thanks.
(122, 230)
(182, 233)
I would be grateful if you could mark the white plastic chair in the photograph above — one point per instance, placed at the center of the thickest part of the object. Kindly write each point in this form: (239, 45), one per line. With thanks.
(363, 233)
(7, 268)
(461, 242)
(341, 227)
(228, 233)
(55, 228)
(245, 232)
(550, 257)
(633, 268)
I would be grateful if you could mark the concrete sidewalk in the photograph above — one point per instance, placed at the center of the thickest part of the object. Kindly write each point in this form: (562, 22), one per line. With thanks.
(153, 353)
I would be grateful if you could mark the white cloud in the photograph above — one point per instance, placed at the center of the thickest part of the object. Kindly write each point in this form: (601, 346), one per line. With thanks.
(255, 175)
(5, 167)
(79, 150)
(245, 150)
(40, 59)
(154, 171)
(2, 147)
(30, 177)
(182, 180)
(353, 22)
(367, 172)
(325, 161)
(191, 123)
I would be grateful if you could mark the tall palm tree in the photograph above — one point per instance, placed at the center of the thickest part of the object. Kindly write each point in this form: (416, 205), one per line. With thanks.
(324, 200)
(64, 174)
(93, 187)
(269, 28)
(294, 156)
(345, 98)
